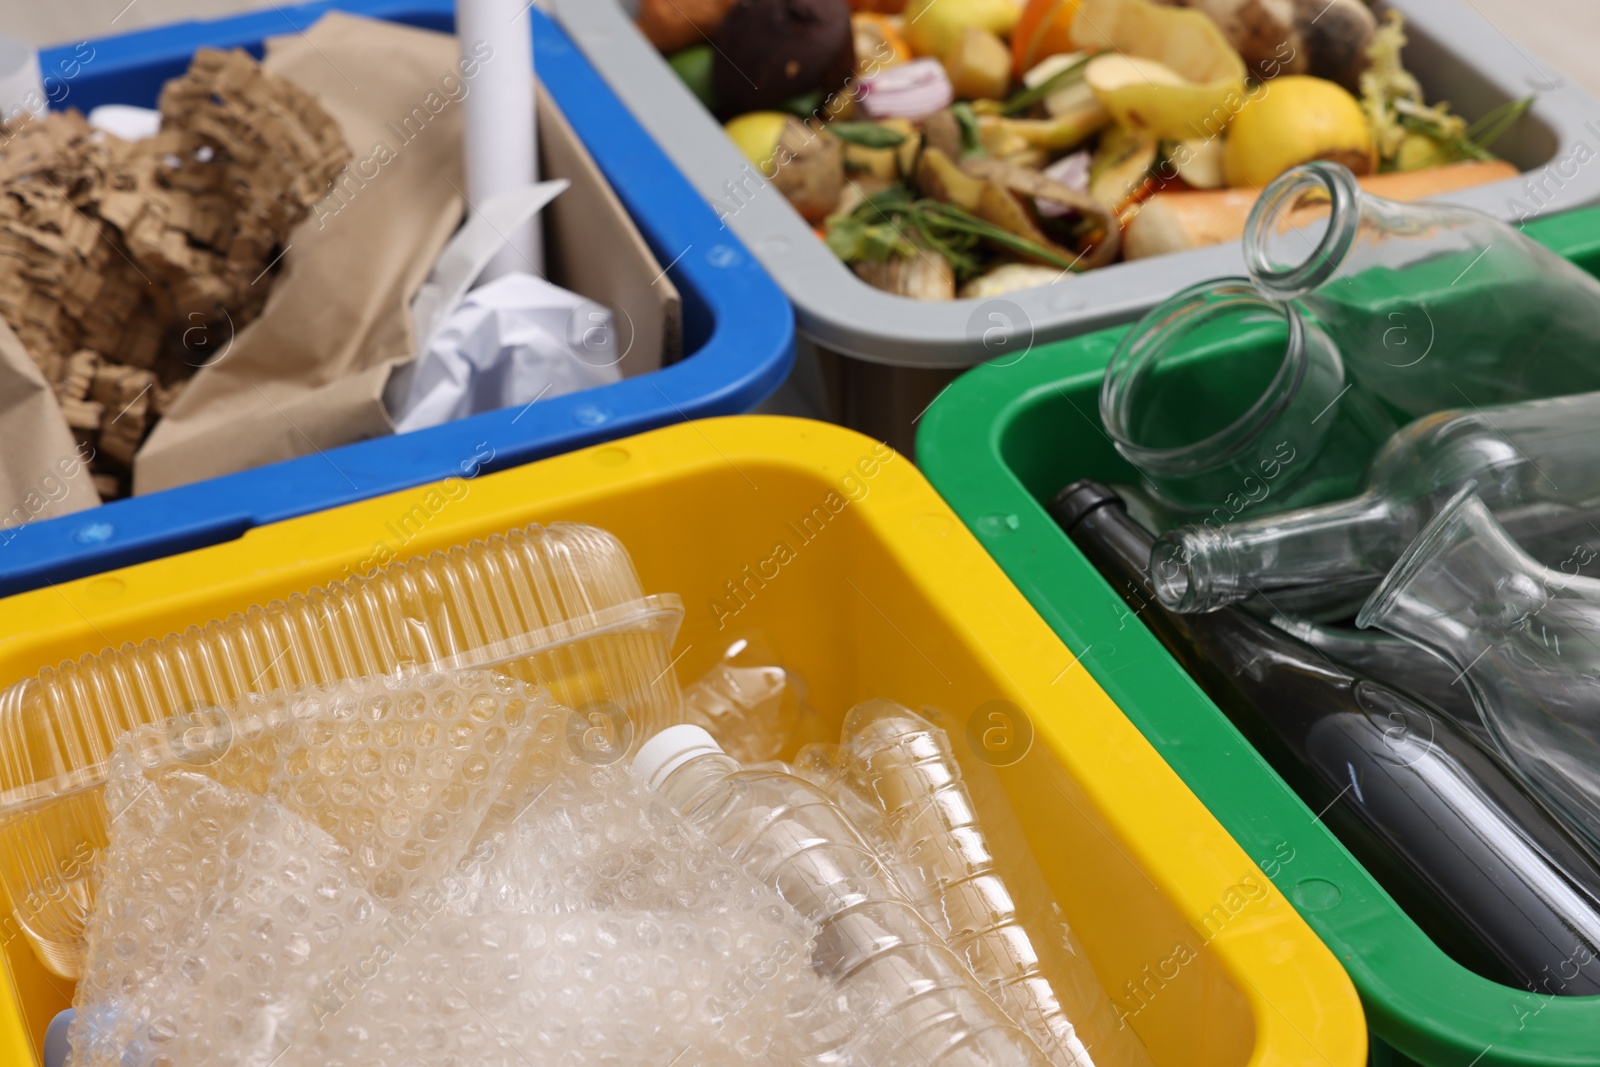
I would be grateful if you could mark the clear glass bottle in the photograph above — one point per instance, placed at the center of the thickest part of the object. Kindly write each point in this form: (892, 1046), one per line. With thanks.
(912, 1000)
(1399, 663)
(1226, 402)
(1457, 839)
(1433, 306)
(1525, 637)
(1537, 466)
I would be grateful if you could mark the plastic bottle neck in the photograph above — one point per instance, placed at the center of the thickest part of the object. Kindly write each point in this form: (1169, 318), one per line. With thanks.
(688, 784)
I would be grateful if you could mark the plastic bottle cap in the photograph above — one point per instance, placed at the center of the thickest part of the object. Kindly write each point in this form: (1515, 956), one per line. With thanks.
(671, 749)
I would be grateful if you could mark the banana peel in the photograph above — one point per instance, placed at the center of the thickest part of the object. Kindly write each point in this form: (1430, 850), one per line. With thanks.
(1165, 73)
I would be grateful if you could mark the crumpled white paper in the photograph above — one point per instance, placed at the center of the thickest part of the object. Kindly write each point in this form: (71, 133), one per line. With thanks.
(511, 342)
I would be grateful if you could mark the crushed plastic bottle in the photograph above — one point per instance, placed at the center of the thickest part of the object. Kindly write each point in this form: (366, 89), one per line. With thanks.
(908, 999)
(752, 702)
(1045, 983)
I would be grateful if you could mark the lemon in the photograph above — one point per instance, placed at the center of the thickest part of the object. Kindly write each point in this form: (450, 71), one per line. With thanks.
(1292, 120)
(756, 135)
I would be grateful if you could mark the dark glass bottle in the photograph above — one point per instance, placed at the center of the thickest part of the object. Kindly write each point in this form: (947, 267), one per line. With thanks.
(1435, 817)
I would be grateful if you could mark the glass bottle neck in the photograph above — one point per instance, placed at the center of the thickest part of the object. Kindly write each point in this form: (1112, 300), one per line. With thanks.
(1463, 581)
(1302, 228)
(1210, 565)
(1222, 398)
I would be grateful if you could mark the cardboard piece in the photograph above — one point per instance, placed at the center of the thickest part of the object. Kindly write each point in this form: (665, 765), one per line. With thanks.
(43, 468)
(311, 373)
(109, 249)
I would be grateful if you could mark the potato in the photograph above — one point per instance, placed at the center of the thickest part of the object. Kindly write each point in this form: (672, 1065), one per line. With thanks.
(924, 276)
(979, 66)
(808, 169)
(1324, 38)
(887, 163)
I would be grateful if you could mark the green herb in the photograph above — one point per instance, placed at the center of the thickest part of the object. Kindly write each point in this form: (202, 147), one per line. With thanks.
(1488, 129)
(866, 134)
(855, 241)
(953, 218)
(971, 135)
(1025, 99)
(892, 222)
(804, 105)
(1458, 143)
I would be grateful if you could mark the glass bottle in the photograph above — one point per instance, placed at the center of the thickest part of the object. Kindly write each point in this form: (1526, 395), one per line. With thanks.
(1433, 306)
(1537, 465)
(913, 1001)
(1525, 637)
(1226, 402)
(1395, 662)
(1458, 841)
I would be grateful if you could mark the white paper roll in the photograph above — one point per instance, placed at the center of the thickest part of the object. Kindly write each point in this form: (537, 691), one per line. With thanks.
(500, 138)
(21, 85)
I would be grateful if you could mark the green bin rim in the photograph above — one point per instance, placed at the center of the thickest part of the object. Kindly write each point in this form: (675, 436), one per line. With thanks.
(1419, 1001)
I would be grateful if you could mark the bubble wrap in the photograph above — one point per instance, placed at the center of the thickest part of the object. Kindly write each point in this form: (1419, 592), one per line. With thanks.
(600, 928)
(277, 899)
(255, 850)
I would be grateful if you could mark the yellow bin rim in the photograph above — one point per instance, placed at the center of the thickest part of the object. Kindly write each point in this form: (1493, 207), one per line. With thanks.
(1265, 989)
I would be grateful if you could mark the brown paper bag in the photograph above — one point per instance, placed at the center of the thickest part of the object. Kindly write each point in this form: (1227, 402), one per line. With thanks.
(43, 470)
(309, 373)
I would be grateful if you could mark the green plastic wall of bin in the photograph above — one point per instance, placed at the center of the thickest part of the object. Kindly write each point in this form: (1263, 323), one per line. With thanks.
(998, 444)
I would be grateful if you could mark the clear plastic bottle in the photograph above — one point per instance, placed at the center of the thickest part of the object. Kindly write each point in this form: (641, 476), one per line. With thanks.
(1537, 465)
(1045, 984)
(1525, 638)
(912, 1000)
(747, 706)
(559, 606)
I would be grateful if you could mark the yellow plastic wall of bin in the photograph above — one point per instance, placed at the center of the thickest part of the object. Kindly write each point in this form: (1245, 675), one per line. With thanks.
(842, 554)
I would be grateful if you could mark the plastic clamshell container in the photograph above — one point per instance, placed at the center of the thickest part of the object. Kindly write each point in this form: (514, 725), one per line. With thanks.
(738, 329)
(558, 606)
(998, 445)
(876, 589)
(1453, 51)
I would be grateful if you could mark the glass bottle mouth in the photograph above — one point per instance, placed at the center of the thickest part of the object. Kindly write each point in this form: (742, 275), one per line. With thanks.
(1405, 569)
(1145, 380)
(1301, 228)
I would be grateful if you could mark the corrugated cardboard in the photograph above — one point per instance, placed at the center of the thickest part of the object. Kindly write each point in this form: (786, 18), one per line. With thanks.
(310, 374)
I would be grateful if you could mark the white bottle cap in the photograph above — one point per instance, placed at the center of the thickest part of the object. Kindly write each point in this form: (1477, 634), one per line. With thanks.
(669, 750)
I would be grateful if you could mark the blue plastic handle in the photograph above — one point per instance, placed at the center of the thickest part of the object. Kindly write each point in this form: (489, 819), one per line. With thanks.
(738, 327)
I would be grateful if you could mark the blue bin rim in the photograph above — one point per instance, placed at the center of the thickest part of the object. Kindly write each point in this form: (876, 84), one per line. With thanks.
(747, 352)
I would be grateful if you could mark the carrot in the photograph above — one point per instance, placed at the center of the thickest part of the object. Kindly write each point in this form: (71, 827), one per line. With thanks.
(1175, 221)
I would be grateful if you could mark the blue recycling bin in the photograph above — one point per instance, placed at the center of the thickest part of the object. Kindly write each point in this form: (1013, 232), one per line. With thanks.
(738, 328)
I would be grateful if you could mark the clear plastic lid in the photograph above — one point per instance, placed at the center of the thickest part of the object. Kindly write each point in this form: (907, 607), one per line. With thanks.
(558, 606)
